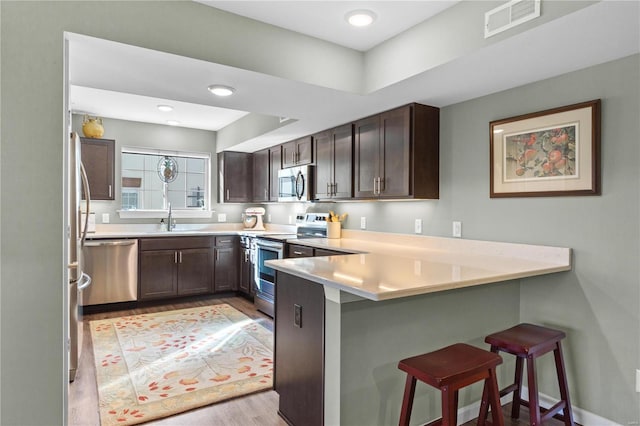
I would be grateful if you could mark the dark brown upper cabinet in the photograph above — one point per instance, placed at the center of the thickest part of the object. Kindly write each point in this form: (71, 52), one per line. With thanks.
(396, 154)
(266, 164)
(298, 152)
(235, 177)
(98, 158)
(275, 158)
(261, 175)
(334, 169)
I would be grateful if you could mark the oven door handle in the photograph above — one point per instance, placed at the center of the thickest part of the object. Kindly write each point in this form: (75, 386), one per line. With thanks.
(269, 244)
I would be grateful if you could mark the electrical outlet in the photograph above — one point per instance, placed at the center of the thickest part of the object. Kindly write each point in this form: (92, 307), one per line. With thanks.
(418, 226)
(457, 229)
(222, 217)
(269, 217)
(105, 217)
(290, 219)
(363, 222)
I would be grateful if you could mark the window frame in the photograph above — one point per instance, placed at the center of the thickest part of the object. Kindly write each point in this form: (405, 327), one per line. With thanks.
(193, 212)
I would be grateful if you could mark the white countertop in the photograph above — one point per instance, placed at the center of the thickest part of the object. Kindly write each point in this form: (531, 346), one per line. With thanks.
(407, 265)
(116, 231)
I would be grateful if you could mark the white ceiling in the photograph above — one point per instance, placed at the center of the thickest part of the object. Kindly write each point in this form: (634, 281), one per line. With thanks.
(326, 19)
(114, 80)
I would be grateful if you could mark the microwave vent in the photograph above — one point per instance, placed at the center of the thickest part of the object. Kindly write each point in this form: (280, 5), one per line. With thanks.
(510, 15)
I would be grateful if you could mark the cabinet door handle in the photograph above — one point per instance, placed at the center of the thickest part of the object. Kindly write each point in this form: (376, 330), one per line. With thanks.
(225, 241)
(227, 195)
(110, 191)
(175, 257)
(298, 253)
(335, 188)
(328, 189)
(180, 257)
(266, 196)
(375, 186)
(217, 254)
(380, 185)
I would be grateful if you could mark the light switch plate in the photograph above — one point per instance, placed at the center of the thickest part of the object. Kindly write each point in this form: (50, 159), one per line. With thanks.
(418, 226)
(105, 217)
(457, 229)
(363, 222)
(222, 217)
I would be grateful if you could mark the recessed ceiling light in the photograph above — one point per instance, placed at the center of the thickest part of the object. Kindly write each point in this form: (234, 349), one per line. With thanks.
(165, 108)
(173, 122)
(220, 90)
(360, 18)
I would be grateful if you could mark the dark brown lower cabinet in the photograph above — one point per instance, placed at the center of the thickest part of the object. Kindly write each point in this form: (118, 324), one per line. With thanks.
(245, 284)
(324, 252)
(226, 264)
(299, 350)
(175, 266)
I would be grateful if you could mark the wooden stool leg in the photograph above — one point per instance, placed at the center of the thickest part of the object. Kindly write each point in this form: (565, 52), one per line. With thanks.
(562, 383)
(534, 404)
(515, 405)
(449, 406)
(484, 404)
(491, 384)
(407, 400)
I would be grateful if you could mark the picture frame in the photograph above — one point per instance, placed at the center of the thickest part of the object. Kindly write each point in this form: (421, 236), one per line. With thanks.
(549, 153)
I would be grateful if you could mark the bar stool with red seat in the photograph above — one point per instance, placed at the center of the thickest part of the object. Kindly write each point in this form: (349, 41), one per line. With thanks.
(529, 341)
(450, 369)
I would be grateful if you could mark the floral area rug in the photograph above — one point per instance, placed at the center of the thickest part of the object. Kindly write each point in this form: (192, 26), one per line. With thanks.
(154, 365)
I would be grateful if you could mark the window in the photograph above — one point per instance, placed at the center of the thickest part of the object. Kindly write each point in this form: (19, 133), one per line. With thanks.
(185, 186)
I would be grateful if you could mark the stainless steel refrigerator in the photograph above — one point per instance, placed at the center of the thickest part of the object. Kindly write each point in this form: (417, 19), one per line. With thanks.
(76, 234)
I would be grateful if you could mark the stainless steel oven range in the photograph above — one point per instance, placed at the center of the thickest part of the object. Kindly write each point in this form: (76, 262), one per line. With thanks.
(308, 225)
(265, 277)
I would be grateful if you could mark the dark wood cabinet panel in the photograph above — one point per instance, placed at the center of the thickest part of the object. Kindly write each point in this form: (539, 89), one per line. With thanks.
(266, 164)
(296, 250)
(261, 175)
(245, 283)
(275, 159)
(396, 154)
(98, 158)
(174, 266)
(366, 156)
(298, 152)
(333, 171)
(226, 263)
(194, 271)
(158, 274)
(299, 350)
(235, 174)
(323, 252)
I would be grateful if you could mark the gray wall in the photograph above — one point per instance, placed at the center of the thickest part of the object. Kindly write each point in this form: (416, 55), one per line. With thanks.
(145, 135)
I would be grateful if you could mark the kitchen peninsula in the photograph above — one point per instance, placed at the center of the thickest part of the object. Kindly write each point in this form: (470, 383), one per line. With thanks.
(344, 322)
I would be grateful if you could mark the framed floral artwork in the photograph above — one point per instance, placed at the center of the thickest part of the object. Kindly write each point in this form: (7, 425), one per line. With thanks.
(548, 153)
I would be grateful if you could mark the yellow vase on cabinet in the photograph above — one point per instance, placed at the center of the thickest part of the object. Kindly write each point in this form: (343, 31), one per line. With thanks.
(92, 127)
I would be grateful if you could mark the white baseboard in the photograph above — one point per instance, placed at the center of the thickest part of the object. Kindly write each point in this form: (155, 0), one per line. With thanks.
(581, 416)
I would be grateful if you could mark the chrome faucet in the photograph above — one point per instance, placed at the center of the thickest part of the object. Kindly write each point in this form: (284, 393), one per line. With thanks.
(170, 224)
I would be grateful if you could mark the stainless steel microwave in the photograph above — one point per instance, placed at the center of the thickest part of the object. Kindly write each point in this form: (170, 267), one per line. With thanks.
(295, 184)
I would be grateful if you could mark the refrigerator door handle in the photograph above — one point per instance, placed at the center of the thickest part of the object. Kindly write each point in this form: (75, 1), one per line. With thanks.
(87, 196)
(87, 282)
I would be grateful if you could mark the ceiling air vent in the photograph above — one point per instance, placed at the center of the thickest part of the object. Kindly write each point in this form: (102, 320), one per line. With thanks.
(509, 15)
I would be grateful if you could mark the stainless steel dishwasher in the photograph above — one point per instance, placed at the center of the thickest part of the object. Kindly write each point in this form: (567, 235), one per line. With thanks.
(113, 267)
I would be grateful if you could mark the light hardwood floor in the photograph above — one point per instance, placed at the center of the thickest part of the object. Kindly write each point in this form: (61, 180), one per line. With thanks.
(257, 409)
